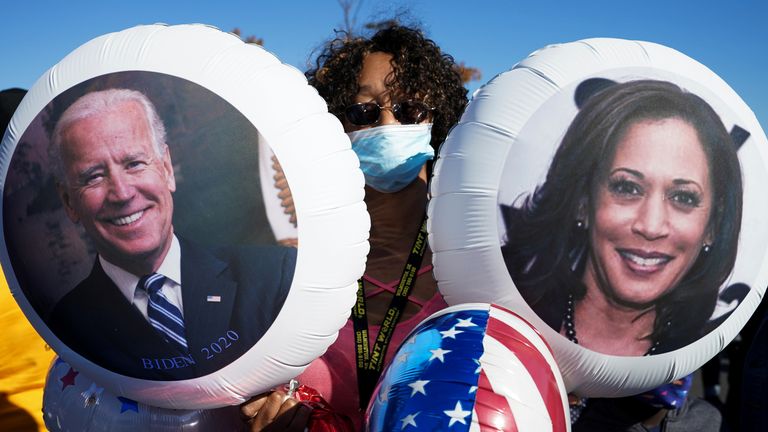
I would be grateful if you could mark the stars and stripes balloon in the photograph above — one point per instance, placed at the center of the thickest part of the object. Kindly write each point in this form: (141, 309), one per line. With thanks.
(473, 367)
(73, 402)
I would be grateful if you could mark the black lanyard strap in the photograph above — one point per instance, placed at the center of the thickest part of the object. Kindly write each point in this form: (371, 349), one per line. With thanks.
(370, 363)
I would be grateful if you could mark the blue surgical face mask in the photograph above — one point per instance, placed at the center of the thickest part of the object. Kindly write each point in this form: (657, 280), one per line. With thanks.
(392, 156)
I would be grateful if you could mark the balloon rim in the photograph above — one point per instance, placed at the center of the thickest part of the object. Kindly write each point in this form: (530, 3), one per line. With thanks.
(334, 222)
(477, 246)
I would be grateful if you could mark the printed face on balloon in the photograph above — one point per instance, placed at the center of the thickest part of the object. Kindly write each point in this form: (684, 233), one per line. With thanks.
(139, 173)
(639, 211)
(651, 212)
(117, 182)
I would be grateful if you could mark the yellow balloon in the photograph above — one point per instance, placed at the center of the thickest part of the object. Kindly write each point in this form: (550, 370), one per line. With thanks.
(24, 362)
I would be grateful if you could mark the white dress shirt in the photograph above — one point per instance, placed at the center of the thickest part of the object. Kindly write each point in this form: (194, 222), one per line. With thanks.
(127, 282)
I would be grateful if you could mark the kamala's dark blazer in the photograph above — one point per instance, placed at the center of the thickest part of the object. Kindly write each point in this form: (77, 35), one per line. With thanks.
(96, 320)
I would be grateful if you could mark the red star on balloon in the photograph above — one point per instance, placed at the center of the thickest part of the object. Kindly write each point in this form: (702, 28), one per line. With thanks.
(69, 378)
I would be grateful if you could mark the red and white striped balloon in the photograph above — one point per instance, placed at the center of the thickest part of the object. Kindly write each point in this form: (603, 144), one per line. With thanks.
(472, 367)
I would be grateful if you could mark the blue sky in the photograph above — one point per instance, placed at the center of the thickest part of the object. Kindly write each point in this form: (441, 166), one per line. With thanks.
(730, 38)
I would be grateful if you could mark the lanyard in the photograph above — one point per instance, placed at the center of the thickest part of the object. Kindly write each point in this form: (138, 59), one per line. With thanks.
(370, 363)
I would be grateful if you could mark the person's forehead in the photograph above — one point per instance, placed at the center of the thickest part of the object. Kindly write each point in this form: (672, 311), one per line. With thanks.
(121, 129)
(125, 111)
(126, 114)
(667, 147)
(375, 71)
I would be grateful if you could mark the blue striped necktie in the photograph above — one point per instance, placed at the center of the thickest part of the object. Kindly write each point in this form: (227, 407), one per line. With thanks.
(163, 315)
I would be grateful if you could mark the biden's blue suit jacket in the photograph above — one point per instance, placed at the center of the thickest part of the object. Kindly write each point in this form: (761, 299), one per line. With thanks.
(231, 296)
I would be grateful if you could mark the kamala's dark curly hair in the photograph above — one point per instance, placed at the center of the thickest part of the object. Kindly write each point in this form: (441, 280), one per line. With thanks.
(421, 71)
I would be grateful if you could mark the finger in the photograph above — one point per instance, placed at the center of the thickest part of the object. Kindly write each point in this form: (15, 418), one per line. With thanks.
(281, 184)
(287, 202)
(292, 220)
(285, 193)
(291, 242)
(269, 410)
(287, 405)
(253, 405)
(276, 164)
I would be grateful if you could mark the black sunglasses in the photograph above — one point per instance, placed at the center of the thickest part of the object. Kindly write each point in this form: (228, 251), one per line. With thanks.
(368, 113)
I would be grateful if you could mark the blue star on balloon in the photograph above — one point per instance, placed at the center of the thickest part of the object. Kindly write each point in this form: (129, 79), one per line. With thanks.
(128, 405)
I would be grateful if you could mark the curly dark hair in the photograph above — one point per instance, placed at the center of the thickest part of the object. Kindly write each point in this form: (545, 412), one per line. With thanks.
(421, 71)
(546, 251)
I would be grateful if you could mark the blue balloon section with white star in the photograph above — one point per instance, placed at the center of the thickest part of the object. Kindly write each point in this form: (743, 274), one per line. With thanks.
(431, 383)
(74, 402)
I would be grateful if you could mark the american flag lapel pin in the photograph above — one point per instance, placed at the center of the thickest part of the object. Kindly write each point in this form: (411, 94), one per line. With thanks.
(213, 299)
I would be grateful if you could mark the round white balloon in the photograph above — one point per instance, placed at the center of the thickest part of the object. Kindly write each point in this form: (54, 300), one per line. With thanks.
(501, 151)
(243, 97)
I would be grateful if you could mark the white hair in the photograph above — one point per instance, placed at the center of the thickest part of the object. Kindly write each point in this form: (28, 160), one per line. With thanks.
(100, 102)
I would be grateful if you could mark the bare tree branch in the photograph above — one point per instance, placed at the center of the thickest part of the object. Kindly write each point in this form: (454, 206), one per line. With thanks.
(468, 73)
(350, 9)
(248, 39)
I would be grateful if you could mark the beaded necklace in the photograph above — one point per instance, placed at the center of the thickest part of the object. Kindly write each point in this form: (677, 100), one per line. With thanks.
(570, 327)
